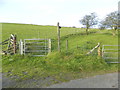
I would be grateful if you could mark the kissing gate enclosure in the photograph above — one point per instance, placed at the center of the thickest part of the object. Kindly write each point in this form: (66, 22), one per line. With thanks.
(35, 47)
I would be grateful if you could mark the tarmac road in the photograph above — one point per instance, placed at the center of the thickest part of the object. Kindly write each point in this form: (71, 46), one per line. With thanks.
(99, 81)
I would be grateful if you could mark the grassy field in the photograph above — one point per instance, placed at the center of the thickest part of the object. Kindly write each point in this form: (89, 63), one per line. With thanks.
(24, 31)
(63, 66)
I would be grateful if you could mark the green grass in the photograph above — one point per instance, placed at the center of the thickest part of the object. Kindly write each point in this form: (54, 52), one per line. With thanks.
(24, 31)
(63, 66)
(54, 65)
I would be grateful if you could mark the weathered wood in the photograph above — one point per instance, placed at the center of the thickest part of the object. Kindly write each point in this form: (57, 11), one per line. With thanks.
(8, 44)
(4, 42)
(58, 32)
(12, 35)
(99, 51)
(14, 44)
(93, 49)
(67, 45)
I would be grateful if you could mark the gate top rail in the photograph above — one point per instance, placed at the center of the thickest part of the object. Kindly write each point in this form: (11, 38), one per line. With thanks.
(111, 45)
(28, 44)
(112, 58)
(36, 39)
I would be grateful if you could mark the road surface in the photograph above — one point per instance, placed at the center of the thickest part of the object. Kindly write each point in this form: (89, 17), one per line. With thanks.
(99, 81)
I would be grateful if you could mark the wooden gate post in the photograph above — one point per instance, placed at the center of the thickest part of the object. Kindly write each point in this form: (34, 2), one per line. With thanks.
(21, 47)
(58, 32)
(14, 44)
(99, 51)
(49, 45)
(8, 44)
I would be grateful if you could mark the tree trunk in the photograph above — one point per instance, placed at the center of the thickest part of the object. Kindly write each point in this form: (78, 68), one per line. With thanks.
(114, 32)
(87, 31)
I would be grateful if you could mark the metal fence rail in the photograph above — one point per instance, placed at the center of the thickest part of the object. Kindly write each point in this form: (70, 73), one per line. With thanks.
(110, 53)
(35, 47)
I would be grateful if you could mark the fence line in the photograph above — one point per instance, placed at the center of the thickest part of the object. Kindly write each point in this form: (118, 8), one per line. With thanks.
(98, 45)
(11, 48)
(112, 51)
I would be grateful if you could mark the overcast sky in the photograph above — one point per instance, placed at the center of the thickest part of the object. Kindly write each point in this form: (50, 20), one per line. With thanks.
(49, 12)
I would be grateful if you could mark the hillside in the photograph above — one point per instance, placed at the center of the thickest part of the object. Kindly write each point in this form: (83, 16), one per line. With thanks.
(35, 31)
(63, 66)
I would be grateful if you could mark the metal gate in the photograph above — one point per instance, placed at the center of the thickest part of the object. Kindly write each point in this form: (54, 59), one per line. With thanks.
(36, 47)
(110, 53)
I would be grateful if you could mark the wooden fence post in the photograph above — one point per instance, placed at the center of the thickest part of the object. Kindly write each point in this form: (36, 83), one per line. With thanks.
(58, 32)
(14, 44)
(24, 46)
(8, 44)
(67, 45)
(49, 45)
(99, 51)
(103, 51)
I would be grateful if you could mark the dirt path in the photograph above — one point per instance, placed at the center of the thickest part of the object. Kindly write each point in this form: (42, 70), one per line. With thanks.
(99, 81)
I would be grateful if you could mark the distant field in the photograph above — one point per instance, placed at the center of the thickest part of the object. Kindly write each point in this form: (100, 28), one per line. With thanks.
(24, 31)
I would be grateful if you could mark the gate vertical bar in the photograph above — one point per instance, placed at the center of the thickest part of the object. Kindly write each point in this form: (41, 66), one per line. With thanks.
(49, 45)
(21, 47)
(45, 46)
(103, 51)
(24, 47)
